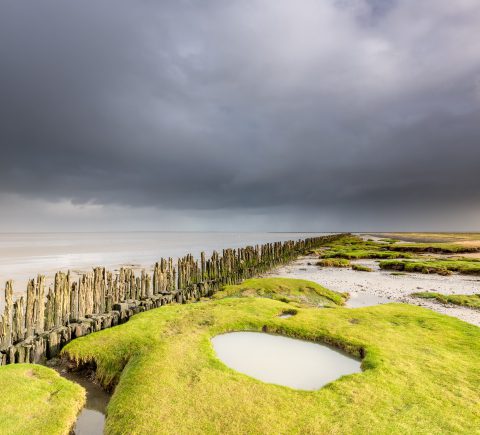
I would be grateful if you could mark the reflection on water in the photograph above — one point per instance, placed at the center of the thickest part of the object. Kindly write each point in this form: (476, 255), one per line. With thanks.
(284, 361)
(91, 419)
(358, 300)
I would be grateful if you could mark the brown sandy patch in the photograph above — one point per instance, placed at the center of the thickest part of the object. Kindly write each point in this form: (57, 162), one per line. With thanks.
(469, 243)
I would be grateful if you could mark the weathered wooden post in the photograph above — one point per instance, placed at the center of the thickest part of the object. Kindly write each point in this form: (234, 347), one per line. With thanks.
(98, 289)
(82, 296)
(8, 314)
(29, 313)
(66, 299)
(40, 305)
(148, 286)
(74, 302)
(109, 296)
(18, 320)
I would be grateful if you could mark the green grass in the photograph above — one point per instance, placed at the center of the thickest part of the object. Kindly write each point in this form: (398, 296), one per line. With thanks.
(36, 400)
(297, 291)
(471, 301)
(361, 268)
(441, 267)
(421, 371)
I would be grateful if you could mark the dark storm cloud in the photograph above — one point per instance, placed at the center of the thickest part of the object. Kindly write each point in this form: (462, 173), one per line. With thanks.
(339, 105)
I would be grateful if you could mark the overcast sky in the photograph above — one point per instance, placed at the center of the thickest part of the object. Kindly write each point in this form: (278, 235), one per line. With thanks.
(301, 115)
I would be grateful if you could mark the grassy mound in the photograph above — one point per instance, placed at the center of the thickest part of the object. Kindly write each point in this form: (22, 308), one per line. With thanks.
(472, 301)
(441, 267)
(286, 290)
(421, 371)
(37, 400)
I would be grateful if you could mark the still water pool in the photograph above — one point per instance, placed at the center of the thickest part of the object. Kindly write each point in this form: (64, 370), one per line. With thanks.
(282, 360)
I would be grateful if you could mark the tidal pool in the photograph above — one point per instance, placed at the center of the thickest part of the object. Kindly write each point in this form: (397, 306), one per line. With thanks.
(275, 359)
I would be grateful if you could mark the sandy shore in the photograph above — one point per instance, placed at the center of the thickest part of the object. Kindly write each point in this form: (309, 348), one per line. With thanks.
(370, 288)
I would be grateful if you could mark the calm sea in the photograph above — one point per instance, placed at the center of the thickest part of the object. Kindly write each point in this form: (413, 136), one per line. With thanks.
(23, 256)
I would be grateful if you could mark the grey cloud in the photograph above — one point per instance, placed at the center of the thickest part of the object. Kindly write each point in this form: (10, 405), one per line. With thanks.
(276, 106)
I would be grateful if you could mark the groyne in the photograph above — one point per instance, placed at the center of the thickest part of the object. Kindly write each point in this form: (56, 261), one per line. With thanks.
(36, 326)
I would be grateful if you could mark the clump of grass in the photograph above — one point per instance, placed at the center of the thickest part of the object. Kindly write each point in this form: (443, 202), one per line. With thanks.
(471, 301)
(170, 380)
(286, 290)
(37, 400)
(333, 262)
(361, 268)
(440, 267)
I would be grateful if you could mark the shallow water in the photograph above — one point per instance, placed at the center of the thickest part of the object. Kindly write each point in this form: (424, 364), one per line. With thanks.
(358, 300)
(91, 419)
(282, 360)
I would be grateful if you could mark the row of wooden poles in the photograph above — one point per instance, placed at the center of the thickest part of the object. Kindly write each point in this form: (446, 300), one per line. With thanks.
(97, 292)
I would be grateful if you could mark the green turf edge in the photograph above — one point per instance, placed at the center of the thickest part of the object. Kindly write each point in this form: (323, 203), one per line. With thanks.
(37, 400)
